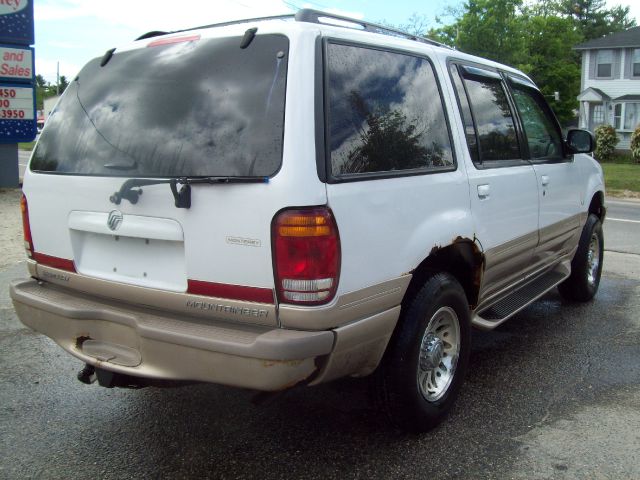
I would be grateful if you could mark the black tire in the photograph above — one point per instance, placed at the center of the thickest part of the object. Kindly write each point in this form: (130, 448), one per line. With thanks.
(397, 378)
(584, 280)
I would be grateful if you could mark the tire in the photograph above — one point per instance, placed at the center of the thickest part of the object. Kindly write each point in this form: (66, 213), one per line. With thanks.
(586, 266)
(434, 329)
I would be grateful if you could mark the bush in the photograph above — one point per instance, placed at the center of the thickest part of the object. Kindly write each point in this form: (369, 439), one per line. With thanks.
(606, 141)
(635, 144)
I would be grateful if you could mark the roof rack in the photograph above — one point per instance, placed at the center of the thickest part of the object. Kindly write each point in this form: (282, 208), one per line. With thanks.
(309, 15)
(316, 16)
(289, 16)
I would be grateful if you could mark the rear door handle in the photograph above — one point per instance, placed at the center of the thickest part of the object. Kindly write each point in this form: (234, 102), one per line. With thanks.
(545, 180)
(484, 190)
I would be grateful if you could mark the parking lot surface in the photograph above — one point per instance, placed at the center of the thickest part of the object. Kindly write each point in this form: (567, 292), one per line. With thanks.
(553, 393)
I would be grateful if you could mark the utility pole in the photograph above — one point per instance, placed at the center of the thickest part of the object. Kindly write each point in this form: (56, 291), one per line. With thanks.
(58, 79)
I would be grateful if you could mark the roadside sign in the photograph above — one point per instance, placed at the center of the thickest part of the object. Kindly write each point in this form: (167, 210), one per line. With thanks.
(16, 22)
(16, 63)
(17, 113)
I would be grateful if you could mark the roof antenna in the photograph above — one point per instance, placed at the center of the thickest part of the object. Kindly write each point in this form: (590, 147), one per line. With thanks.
(249, 35)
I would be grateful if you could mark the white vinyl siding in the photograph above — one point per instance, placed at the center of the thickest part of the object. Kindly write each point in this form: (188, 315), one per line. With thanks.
(621, 84)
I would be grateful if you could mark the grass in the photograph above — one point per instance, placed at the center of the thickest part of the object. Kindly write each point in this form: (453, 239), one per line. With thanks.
(621, 178)
(27, 146)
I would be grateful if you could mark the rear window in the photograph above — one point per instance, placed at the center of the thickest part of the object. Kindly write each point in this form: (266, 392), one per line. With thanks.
(194, 108)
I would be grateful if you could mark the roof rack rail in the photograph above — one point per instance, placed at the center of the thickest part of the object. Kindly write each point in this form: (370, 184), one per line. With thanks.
(316, 16)
(288, 16)
(309, 15)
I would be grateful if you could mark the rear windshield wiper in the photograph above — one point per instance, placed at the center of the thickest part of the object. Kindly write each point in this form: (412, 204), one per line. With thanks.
(182, 196)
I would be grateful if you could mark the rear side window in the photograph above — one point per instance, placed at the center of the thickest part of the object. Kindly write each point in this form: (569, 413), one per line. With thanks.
(385, 113)
(195, 108)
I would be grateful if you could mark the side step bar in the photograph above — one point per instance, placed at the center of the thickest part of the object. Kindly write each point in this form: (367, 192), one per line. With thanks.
(490, 317)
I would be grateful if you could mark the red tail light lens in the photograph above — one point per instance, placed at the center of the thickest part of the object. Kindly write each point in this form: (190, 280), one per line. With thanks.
(26, 228)
(306, 249)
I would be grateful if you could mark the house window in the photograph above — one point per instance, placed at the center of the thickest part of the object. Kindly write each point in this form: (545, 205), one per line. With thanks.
(635, 63)
(631, 115)
(626, 116)
(617, 116)
(604, 63)
(598, 115)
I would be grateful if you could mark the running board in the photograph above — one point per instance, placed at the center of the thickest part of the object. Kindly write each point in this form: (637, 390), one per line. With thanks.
(492, 316)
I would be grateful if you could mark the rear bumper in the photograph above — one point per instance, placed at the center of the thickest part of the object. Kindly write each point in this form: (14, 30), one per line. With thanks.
(147, 343)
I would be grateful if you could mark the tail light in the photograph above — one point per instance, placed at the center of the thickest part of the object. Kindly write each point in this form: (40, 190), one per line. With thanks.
(306, 249)
(26, 228)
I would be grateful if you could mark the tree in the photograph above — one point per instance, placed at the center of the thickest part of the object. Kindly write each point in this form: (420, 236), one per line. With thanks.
(46, 90)
(40, 81)
(592, 19)
(551, 62)
(63, 84)
(537, 37)
(489, 29)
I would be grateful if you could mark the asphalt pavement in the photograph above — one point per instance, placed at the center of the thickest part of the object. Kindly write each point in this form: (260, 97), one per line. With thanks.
(552, 394)
(622, 226)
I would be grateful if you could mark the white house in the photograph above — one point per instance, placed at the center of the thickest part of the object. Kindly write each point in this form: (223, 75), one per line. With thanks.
(610, 83)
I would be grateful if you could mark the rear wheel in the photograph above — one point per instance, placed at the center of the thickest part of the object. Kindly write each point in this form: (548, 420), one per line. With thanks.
(427, 358)
(586, 266)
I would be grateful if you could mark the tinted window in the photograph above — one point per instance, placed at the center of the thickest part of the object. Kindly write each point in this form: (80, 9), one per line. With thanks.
(465, 111)
(494, 122)
(543, 137)
(204, 107)
(385, 113)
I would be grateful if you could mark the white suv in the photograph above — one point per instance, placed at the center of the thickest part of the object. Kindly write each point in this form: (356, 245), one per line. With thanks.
(286, 201)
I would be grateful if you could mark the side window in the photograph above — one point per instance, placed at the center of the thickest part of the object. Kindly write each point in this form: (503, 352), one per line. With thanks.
(543, 138)
(465, 112)
(385, 113)
(494, 122)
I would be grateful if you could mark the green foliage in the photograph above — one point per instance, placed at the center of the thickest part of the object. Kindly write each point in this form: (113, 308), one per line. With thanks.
(550, 62)
(537, 37)
(491, 29)
(635, 144)
(592, 19)
(606, 141)
(46, 90)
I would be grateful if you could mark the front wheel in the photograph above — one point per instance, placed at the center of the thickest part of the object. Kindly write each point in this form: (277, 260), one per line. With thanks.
(424, 366)
(586, 266)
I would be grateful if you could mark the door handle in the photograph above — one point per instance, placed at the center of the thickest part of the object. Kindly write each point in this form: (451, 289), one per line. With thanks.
(545, 180)
(483, 191)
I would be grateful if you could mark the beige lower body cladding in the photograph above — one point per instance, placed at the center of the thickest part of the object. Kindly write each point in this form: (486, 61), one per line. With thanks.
(154, 344)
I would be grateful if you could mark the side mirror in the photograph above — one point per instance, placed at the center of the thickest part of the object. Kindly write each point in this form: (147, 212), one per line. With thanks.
(580, 141)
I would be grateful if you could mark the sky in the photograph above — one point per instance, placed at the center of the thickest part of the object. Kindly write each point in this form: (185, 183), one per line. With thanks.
(71, 32)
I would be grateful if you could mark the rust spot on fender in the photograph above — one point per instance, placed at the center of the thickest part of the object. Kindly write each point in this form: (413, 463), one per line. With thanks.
(80, 340)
